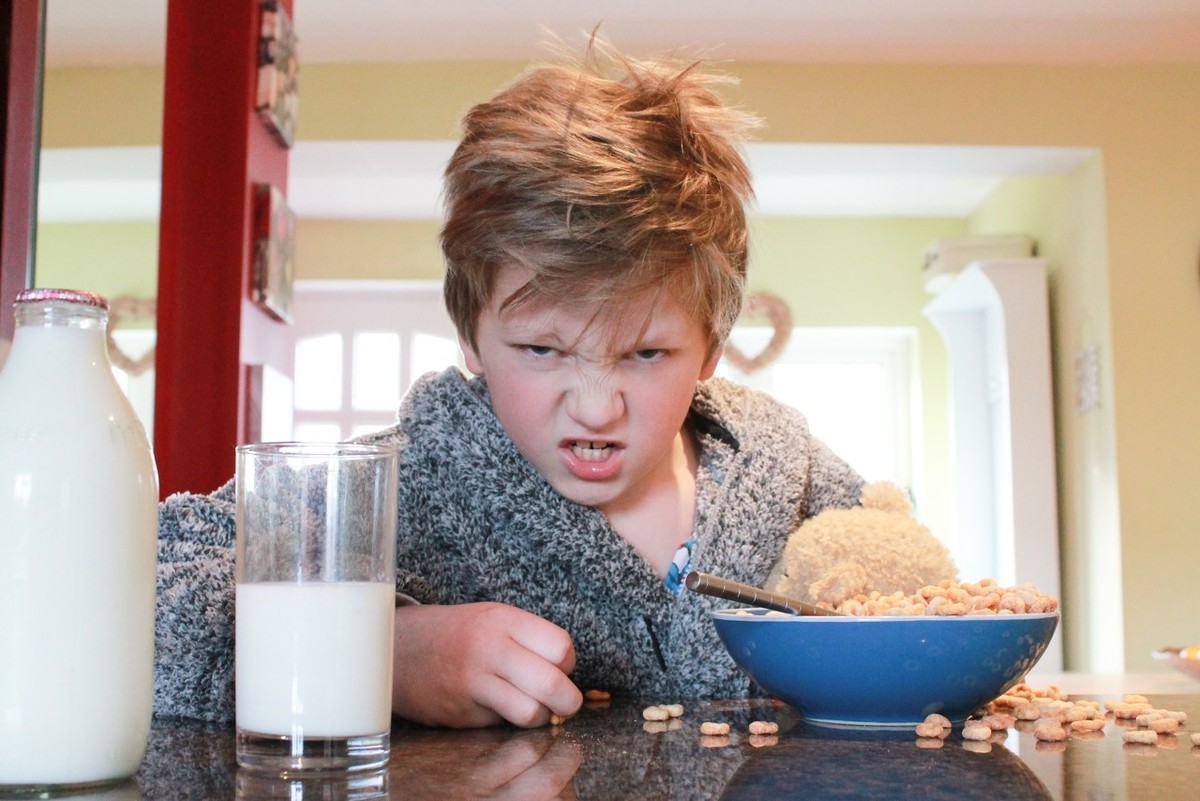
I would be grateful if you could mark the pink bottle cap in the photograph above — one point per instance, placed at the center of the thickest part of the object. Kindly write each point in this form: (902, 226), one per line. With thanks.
(62, 295)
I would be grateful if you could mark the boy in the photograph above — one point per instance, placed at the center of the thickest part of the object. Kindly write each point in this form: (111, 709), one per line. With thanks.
(595, 247)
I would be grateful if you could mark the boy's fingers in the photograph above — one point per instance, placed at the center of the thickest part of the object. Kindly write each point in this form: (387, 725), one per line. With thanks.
(547, 640)
(511, 703)
(543, 682)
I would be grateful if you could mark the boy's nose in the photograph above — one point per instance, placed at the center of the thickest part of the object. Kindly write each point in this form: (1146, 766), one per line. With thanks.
(595, 403)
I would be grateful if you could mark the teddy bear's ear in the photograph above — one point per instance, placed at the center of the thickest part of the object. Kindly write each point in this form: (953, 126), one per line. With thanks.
(887, 497)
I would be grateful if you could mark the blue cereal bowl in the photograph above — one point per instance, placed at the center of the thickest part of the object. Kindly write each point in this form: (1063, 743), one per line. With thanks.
(884, 671)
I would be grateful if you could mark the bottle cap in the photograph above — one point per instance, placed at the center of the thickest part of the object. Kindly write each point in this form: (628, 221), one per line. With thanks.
(62, 295)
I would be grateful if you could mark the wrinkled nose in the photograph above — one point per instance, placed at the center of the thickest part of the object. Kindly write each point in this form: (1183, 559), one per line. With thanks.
(595, 402)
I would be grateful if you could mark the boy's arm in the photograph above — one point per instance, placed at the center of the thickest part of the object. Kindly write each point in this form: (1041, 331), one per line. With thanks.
(832, 483)
(478, 664)
(193, 653)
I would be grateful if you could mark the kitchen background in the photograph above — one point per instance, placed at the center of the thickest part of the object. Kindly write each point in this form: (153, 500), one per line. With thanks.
(1092, 154)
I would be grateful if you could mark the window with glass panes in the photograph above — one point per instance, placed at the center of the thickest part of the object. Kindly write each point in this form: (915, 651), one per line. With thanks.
(359, 345)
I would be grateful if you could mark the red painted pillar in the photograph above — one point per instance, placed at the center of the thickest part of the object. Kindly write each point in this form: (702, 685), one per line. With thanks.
(22, 33)
(215, 148)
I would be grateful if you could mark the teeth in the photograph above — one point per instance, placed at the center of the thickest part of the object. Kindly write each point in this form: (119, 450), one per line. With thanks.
(590, 451)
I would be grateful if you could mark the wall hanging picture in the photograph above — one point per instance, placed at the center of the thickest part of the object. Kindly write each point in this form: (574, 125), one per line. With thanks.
(277, 72)
(274, 246)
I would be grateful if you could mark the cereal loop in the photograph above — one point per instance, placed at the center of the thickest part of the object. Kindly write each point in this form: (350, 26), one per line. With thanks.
(931, 730)
(1164, 726)
(950, 599)
(1050, 734)
(655, 713)
(976, 731)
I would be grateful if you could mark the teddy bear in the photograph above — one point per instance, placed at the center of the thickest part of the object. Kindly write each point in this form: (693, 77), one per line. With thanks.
(876, 546)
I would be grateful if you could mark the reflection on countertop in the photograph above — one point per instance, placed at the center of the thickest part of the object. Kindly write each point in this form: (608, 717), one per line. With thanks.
(608, 752)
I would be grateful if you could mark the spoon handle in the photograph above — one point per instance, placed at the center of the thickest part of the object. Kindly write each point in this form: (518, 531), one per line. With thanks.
(708, 584)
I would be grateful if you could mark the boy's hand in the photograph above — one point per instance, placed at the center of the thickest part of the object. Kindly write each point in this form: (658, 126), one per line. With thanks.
(472, 665)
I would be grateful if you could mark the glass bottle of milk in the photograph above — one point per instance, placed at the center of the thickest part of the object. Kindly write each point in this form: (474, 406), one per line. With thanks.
(78, 547)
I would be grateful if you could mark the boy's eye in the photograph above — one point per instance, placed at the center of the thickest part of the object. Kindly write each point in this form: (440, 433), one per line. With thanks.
(538, 350)
(647, 354)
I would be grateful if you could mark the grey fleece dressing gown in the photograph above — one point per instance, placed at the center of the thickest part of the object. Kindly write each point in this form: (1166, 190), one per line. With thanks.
(478, 523)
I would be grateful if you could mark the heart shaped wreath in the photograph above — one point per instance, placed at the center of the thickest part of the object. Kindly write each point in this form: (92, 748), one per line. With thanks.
(119, 310)
(776, 310)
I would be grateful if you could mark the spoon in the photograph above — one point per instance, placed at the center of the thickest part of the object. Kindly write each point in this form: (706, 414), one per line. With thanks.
(707, 584)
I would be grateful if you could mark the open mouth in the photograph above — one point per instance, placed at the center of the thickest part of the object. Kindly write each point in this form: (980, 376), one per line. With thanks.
(591, 451)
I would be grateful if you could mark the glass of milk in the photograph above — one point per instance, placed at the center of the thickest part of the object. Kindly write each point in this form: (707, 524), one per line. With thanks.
(316, 538)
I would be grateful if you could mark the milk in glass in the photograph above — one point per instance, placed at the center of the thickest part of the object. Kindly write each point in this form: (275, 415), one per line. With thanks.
(313, 658)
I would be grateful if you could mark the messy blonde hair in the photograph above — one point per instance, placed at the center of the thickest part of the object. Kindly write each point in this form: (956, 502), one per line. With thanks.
(601, 187)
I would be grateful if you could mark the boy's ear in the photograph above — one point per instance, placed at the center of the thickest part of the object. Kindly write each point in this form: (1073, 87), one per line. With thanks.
(470, 356)
(710, 366)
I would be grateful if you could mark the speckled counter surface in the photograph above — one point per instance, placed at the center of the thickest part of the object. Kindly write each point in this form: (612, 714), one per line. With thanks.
(606, 753)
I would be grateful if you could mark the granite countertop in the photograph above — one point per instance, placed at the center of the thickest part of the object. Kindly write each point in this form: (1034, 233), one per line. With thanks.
(606, 752)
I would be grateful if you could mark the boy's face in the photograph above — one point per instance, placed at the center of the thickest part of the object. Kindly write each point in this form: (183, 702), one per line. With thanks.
(598, 410)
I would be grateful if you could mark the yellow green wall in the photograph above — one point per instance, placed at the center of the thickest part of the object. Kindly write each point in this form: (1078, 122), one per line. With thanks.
(368, 249)
(1122, 234)
(102, 107)
(113, 258)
